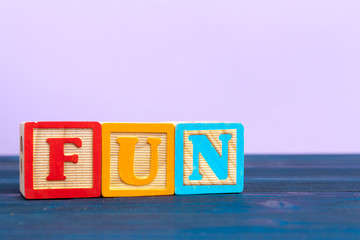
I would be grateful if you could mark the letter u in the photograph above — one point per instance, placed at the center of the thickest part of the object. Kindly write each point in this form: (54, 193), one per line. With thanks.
(126, 160)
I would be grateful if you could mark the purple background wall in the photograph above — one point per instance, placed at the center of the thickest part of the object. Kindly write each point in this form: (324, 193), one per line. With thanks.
(289, 71)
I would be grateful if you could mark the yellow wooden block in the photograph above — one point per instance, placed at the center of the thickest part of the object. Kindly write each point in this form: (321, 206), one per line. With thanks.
(137, 159)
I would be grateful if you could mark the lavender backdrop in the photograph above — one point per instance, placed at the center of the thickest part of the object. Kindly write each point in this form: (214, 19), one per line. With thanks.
(288, 70)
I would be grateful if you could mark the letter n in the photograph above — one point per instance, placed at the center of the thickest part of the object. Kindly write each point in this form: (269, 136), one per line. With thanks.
(217, 163)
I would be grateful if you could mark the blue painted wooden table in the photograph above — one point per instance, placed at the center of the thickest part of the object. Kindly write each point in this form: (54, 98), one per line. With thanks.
(293, 197)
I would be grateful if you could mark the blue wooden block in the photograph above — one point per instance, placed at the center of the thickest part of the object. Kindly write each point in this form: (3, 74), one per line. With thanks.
(209, 158)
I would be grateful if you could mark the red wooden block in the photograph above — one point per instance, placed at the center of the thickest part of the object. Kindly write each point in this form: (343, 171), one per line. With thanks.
(60, 159)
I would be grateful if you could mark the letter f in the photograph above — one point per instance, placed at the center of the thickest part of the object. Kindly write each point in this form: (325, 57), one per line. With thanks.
(57, 157)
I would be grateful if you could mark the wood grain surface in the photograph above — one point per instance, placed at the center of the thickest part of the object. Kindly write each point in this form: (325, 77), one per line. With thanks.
(285, 196)
(208, 176)
(78, 175)
(141, 161)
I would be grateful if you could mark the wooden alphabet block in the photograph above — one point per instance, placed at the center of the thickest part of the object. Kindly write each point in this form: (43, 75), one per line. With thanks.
(209, 158)
(137, 159)
(60, 159)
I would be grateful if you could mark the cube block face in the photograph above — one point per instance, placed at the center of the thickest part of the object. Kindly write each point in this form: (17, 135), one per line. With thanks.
(79, 174)
(61, 160)
(209, 158)
(138, 159)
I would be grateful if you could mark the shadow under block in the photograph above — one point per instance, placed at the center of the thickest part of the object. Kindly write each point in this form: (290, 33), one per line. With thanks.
(209, 158)
(60, 159)
(137, 159)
